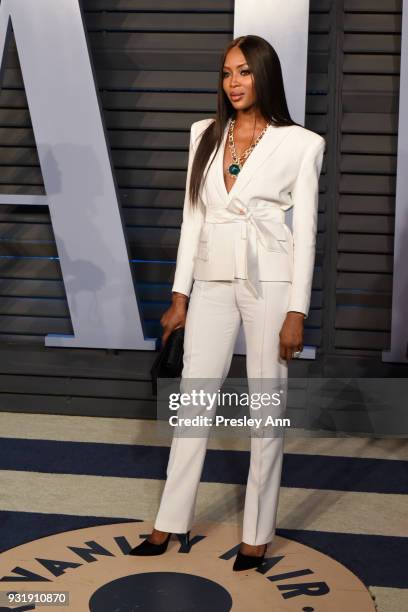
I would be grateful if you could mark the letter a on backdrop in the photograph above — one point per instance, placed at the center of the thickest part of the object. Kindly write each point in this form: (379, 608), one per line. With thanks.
(79, 183)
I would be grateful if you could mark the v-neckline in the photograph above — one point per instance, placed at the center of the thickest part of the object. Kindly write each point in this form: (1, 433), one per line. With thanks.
(221, 165)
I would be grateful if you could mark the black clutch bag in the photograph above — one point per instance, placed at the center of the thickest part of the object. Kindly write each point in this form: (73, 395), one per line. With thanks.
(169, 361)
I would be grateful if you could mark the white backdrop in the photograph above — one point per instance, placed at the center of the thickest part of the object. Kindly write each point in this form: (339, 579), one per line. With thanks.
(285, 25)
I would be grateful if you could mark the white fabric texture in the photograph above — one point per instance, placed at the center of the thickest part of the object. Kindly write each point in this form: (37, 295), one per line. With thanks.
(214, 316)
(244, 228)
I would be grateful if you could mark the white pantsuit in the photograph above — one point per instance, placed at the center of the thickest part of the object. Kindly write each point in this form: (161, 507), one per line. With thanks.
(247, 267)
(213, 319)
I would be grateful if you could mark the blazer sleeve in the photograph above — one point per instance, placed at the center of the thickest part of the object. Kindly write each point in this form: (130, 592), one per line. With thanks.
(305, 197)
(192, 222)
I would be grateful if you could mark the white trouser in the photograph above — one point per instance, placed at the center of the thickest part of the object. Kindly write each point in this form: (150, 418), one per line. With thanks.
(214, 315)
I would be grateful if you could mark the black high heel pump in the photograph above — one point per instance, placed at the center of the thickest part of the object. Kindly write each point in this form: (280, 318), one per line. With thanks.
(245, 562)
(147, 548)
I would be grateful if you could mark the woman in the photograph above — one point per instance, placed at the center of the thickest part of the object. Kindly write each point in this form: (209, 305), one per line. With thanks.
(246, 168)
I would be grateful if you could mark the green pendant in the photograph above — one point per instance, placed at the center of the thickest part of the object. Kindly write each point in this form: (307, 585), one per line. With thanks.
(234, 169)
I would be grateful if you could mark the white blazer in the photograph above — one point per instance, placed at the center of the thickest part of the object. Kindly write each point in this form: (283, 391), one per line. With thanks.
(243, 233)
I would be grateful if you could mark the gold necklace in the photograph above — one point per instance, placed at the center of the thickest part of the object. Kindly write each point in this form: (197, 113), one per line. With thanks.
(235, 168)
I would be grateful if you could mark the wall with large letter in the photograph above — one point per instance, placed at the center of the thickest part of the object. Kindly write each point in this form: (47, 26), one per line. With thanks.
(155, 68)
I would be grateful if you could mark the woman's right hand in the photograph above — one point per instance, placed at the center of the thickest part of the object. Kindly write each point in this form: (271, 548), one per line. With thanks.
(175, 316)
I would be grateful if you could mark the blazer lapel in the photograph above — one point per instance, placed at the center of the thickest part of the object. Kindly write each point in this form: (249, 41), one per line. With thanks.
(215, 174)
(268, 144)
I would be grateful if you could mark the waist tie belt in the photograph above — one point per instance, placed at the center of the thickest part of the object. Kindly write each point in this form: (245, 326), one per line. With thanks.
(262, 222)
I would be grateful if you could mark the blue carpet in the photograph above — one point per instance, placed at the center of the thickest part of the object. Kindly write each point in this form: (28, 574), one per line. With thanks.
(18, 528)
(376, 560)
(138, 461)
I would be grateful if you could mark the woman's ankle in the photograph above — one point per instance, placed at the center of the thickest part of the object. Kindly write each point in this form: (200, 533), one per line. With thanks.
(157, 536)
(256, 550)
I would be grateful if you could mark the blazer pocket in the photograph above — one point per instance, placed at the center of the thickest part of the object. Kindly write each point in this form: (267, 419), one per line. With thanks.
(279, 232)
(288, 234)
(276, 232)
(203, 249)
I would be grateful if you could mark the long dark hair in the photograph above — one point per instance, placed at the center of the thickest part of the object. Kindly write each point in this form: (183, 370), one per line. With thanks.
(264, 64)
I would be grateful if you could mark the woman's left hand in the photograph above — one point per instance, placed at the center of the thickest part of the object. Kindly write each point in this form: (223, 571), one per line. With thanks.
(291, 335)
